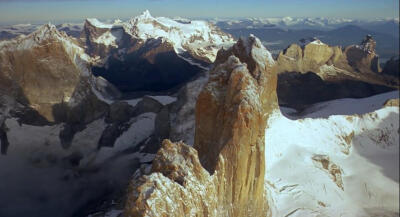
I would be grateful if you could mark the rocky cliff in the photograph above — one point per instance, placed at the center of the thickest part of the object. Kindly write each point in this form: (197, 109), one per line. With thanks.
(40, 69)
(360, 59)
(318, 72)
(223, 175)
(46, 71)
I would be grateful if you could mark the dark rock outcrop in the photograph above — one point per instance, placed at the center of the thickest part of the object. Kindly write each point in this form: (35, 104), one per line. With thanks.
(4, 143)
(392, 67)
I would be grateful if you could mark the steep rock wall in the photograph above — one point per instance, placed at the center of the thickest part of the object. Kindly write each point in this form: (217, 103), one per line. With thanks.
(223, 175)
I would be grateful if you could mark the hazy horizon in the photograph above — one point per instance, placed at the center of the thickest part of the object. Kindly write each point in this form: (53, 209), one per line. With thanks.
(56, 11)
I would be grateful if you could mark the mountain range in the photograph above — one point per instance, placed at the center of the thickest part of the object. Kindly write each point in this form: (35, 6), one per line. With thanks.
(388, 26)
(173, 117)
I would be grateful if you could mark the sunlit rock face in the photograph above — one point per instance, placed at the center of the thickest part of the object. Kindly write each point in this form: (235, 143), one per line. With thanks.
(43, 70)
(39, 70)
(362, 58)
(317, 72)
(310, 57)
(223, 175)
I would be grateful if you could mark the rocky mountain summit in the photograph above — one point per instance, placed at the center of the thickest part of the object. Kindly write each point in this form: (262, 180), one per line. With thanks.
(223, 175)
(199, 38)
(318, 72)
(45, 69)
(173, 52)
(205, 180)
(79, 116)
(59, 118)
(360, 59)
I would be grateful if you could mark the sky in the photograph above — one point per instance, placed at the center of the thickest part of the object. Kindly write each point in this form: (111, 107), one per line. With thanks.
(32, 11)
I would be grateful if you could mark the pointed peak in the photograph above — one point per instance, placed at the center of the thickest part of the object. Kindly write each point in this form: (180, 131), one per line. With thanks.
(146, 14)
(45, 31)
(368, 44)
(248, 50)
(367, 39)
(47, 27)
(250, 43)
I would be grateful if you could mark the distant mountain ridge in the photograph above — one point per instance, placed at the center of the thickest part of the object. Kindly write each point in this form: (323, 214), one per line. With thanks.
(319, 23)
(277, 39)
(382, 25)
(66, 130)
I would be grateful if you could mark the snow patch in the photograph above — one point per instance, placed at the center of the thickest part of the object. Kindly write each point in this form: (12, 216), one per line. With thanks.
(165, 100)
(141, 128)
(359, 146)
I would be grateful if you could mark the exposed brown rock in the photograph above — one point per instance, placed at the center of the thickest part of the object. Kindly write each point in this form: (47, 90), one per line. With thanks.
(309, 58)
(177, 186)
(334, 171)
(354, 59)
(362, 58)
(317, 72)
(91, 32)
(40, 76)
(392, 103)
(231, 116)
(45, 72)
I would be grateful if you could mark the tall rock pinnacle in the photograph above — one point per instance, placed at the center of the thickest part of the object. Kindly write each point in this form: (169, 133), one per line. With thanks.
(224, 174)
(362, 57)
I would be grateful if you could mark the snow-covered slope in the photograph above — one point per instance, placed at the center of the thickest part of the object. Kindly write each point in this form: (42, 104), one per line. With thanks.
(342, 165)
(196, 37)
(348, 106)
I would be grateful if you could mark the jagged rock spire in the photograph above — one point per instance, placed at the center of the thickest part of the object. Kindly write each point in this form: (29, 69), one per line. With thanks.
(368, 44)
(231, 116)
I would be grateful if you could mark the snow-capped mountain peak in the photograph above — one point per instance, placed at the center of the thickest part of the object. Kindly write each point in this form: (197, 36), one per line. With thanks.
(146, 14)
(198, 38)
(47, 31)
(44, 32)
(144, 17)
(44, 35)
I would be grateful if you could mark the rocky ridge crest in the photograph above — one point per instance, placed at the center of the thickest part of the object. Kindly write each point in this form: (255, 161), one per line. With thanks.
(223, 175)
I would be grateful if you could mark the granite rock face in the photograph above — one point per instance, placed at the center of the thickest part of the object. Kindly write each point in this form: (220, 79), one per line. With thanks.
(362, 58)
(47, 72)
(223, 175)
(310, 57)
(317, 72)
(42, 74)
